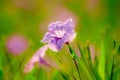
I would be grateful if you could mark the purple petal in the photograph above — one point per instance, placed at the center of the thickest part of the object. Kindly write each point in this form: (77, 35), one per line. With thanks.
(52, 45)
(28, 68)
(44, 62)
(56, 44)
(35, 58)
(69, 24)
(47, 38)
(53, 25)
(41, 51)
(70, 35)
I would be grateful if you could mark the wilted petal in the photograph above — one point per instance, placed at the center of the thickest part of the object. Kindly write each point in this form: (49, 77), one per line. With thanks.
(28, 68)
(44, 62)
(35, 58)
(41, 51)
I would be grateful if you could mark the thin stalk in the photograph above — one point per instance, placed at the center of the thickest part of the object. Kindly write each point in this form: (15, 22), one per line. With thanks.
(77, 68)
(113, 59)
(72, 53)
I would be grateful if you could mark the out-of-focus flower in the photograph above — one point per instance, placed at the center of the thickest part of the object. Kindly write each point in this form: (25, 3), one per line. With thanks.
(59, 34)
(62, 13)
(25, 4)
(16, 44)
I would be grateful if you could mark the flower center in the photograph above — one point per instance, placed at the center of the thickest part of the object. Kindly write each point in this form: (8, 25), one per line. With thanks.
(59, 32)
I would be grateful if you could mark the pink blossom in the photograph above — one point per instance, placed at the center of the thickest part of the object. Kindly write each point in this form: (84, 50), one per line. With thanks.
(16, 44)
(59, 33)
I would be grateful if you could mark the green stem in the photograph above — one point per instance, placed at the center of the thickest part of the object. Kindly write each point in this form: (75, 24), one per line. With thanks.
(72, 53)
(77, 68)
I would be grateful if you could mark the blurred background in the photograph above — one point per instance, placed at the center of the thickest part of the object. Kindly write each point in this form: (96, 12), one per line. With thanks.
(23, 24)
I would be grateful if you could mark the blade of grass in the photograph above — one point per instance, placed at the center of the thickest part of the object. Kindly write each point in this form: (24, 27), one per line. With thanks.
(80, 63)
(101, 66)
(64, 75)
(116, 65)
(86, 62)
(82, 55)
(89, 64)
(92, 68)
(111, 65)
(74, 57)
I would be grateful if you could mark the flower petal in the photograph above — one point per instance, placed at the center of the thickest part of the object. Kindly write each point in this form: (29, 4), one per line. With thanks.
(44, 62)
(39, 54)
(69, 24)
(51, 26)
(47, 38)
(70, 35)
(52, 45)
(56, 44)
(54, 25)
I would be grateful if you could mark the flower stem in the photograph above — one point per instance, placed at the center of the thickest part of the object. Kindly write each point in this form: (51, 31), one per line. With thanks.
(77, 68)
(74, 57)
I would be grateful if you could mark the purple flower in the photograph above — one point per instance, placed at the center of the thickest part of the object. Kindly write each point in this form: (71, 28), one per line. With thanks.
(16, 44)
(59, 34)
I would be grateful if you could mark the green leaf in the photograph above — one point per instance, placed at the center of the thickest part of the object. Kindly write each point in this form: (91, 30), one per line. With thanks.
(111, 62)
(56, 75)
(64, 75)
(118, 52)
(82, 55)
(80, 63)
(89, 64)
(101, 66)
(1, 74)
(72, 52)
